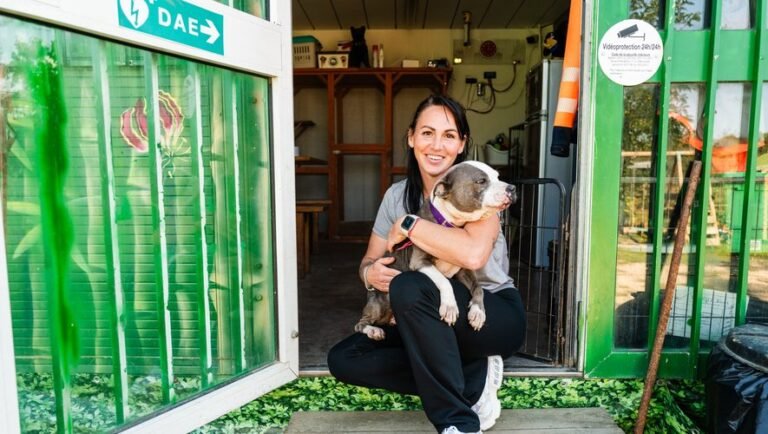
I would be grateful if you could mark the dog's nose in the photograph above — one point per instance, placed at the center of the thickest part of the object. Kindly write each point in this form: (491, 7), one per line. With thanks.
(511, 193)
(510, 190)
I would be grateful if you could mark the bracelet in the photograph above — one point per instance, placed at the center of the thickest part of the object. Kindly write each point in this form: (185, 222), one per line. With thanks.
(368, 286)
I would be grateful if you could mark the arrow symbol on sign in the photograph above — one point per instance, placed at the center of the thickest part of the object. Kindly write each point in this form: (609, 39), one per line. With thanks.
(210, 30)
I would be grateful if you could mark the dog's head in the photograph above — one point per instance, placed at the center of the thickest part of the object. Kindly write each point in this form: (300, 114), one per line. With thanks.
(471, 191)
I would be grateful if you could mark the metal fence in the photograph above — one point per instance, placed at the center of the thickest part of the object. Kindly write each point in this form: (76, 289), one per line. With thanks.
(536, 232)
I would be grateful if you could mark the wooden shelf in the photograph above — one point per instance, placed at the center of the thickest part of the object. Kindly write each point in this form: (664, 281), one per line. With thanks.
(312, 170)
(337, 83)
(306, 165)
(307, 160)
(434, 78)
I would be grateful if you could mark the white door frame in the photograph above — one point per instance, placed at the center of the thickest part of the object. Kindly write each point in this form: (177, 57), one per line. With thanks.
(270, 57)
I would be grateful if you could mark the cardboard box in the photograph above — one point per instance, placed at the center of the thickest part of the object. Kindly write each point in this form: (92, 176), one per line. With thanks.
(410, 63)
(332, 59)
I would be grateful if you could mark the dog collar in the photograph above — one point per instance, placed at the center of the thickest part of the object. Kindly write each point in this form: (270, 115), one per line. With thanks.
(439, 219)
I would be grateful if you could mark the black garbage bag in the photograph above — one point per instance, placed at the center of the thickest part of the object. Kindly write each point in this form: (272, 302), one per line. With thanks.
(737, 382)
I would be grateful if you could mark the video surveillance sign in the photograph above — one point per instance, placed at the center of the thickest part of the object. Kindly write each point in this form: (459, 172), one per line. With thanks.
(174, 20)
(630, 52)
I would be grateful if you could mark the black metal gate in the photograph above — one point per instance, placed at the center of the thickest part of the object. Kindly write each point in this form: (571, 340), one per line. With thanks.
(536, 232)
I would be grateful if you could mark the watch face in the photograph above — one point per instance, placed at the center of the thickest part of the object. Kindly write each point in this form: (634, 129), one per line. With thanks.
(407, 222)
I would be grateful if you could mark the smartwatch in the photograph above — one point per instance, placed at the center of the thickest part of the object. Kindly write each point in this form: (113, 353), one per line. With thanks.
(406, 226)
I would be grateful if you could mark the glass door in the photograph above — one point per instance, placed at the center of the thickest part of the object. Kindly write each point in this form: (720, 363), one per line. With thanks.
(142, 214)
(706, 102)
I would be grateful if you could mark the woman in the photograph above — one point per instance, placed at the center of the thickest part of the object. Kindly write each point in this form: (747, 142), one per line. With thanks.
(455, 370)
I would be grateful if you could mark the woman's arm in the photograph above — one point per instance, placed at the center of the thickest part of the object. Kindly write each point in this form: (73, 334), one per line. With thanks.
(374, 270)
(468, 247)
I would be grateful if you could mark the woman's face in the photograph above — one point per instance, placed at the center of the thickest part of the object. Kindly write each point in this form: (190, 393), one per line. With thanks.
(435, 141)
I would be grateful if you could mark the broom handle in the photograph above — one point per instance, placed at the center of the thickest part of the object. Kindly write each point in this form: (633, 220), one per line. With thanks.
(669, 296)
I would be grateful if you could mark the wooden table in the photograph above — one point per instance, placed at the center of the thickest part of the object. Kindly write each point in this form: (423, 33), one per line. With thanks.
(307, 228)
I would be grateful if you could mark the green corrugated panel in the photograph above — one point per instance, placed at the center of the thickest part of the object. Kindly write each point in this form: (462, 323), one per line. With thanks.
(115, 299)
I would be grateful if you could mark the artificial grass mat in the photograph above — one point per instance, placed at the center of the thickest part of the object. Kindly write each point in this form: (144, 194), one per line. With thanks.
(677, 405)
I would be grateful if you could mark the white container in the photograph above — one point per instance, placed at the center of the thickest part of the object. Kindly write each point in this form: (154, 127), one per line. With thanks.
(494, 157)
(375, 56)
(305, 50)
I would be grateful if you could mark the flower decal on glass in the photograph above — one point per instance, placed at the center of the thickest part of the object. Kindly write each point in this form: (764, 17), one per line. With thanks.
(134, 129)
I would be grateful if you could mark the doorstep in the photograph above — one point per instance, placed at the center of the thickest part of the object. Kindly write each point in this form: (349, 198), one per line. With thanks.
(593, 420)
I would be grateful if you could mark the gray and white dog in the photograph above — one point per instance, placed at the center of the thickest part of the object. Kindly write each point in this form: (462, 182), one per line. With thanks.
(467, 192)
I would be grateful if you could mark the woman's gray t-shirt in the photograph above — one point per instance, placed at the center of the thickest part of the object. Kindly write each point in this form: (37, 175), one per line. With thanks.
(494, 276)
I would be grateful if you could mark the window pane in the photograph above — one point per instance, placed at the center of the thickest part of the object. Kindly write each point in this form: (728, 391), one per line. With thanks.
(757, 286)
(686, 102)
(21, 208)
(637, 190)
(256, 200)
(650, 11)
(253, 7)
(731, 130)
(176, 96)
(692, 14)
(737, 14)
(131, 122)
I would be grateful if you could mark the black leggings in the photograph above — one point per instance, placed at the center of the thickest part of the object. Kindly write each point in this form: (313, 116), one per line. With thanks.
(422, 355)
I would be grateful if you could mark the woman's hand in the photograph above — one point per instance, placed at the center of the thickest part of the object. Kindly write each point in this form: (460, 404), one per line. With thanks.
(379, 274)
(395, 235)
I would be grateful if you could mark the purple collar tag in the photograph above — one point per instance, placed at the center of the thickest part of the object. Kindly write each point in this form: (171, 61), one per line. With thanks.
(439, 219)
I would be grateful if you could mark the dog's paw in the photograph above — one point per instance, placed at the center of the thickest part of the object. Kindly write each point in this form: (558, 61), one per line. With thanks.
(449, 313)
(476, 316)
(375, 333)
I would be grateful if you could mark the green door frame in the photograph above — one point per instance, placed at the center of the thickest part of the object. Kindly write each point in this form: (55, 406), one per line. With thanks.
(687, 55)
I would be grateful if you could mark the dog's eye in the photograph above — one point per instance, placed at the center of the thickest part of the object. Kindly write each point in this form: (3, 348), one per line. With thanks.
(481, 181)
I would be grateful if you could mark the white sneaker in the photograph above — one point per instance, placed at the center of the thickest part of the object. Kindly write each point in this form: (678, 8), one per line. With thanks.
(453, 430)
(488, 407)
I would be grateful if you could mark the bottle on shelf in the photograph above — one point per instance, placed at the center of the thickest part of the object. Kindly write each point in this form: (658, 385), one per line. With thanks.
(381, 56)
(375, 55)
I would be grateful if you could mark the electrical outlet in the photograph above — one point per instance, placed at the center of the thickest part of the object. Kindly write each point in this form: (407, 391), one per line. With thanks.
(470, 80)
(489, 75)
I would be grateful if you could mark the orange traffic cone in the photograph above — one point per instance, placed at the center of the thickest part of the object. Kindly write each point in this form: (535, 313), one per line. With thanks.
(568, 99)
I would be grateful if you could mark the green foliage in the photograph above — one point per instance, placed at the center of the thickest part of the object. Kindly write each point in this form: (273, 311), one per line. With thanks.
(621, 398)
(272, 412)
(677, 406)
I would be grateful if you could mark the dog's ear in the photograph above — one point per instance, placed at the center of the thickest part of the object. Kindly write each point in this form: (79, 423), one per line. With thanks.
(442, 188)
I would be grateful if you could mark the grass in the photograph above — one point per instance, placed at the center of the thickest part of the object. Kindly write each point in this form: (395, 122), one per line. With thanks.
(677, 406)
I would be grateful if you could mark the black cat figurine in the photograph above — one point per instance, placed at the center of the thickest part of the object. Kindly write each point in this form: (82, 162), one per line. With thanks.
(358, 55)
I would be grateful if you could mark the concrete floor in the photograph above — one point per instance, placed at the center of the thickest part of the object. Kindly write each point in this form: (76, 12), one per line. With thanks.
(331, 299)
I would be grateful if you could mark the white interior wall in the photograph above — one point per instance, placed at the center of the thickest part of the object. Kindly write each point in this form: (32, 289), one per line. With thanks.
(363, 109)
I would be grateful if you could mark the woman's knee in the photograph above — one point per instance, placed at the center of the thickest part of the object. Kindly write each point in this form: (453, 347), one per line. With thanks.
(409, 289)
(341, 363)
